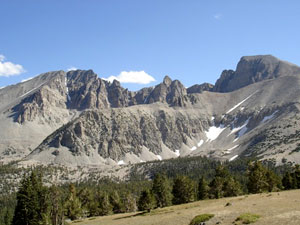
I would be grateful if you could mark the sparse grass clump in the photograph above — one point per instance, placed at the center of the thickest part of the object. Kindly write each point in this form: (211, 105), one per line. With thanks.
(201, 218)
(247, 218)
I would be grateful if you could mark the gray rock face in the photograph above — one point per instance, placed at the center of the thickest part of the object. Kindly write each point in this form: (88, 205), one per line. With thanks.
(39, 101)
(199, 88)
(115, 132)
(170, 92)
(252, 69)
(87, 91)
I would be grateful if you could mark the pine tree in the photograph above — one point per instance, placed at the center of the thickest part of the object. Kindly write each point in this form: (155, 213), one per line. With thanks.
(105, 208)
(203, 189)
(129, 202)
(56, 206)
(116, 203)
(216, 187)
(32, 202)
(162, 190)
(287, 181)
(231, 187)
(86, 197)
(223, 184)
(72, 205)
(274, 182)
(296, 176)
(183, 190)
(146, 201)
(257, 178)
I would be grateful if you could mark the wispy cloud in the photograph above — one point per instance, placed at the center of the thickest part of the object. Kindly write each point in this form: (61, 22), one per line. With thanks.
(135, 77)
(218, 16)
(8, 69)
(72, 68)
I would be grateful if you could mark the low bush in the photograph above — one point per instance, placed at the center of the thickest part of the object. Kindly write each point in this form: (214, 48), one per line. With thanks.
(247, 218)
(201, 218)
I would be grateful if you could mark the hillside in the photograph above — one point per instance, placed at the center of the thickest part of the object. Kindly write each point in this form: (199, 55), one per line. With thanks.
(274, 208)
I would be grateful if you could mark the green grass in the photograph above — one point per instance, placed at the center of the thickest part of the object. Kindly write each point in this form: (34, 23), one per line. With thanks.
(247, 218)
(201, 218)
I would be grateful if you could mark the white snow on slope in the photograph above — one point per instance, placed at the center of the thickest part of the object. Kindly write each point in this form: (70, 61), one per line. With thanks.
(146, 99)
(242, 129)
(31, 90)
(233, 158)
(237, 105)
(266, 118)
(121, 162)
(159, 157)
(2, 87)
(27, 79)
(214, 132)
(67, 89)
(232, 148)
(177, 152)
(200, 143)
(193, 148)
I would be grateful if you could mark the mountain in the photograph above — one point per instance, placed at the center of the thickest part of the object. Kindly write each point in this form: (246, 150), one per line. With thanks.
(78, 119)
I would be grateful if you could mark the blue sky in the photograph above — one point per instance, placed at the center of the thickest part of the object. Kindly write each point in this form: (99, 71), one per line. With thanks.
(189, 40)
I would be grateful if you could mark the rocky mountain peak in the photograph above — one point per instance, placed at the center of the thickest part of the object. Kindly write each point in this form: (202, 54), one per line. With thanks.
(116, 83)
(167, 80)
(252, 69)
(199, 88)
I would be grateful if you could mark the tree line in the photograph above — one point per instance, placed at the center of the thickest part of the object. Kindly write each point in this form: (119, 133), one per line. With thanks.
(39, 204)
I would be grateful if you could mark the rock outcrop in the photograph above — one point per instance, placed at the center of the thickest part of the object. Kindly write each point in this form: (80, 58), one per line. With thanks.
(199, 88)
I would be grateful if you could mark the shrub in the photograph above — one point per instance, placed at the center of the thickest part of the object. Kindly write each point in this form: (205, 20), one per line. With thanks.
(247, 218)
(201, 218)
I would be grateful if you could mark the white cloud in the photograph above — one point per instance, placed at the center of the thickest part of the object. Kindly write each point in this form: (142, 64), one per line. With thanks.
(72, 68)
(136, 77)
(9, 69)
(218, 16)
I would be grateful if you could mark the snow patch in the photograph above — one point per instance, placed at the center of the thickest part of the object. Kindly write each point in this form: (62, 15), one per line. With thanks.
(193, 148)
(242, 129)
(212, 118)
(2, 87)
(177, 152)
(214, 132)
(237, 105)
(121, 162)
(266, 118)
(67, 90)
(146, 99)
(27, 79)
(232, 148)
(200, 143)
(235, 140)
(233, 158)
(159, 157)
(31, 90)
